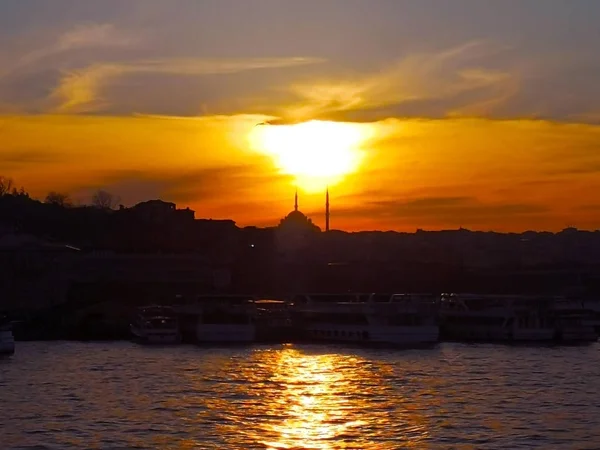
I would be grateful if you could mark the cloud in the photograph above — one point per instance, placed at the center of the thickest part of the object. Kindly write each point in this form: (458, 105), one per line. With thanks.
(222, 183)
(590, 168)
(425, 77)
(28, 157)
(82, 36)
(27, 76)
(95, 35)
(101, 67)
(80, 90)
(237, 181)
(67, 73)
(589, 117)
(436, 211)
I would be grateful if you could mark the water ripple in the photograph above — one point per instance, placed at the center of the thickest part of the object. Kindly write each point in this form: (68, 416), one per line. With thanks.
(119, 395)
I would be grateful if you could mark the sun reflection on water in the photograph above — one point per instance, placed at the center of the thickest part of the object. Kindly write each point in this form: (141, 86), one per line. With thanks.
(310, 398)
(314, 401)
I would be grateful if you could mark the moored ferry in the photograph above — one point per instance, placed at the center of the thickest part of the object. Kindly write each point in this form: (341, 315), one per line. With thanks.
(511, 318)
(389, 319)
(501, 318)
(155, 325)
(7, 340)
(593, 309)
(273, 321)
(219, 319)
(574, 321)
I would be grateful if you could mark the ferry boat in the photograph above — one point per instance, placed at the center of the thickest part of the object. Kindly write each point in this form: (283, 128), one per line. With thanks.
(389, 319)
(219, 319)
(593, 308)
(156, 325)
(494, 318)
(509, 318)
(273, 322)
(574, 321)
(7, 340)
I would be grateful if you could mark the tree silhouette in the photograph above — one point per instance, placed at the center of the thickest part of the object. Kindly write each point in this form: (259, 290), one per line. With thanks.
(104, 200)
(6, 186)
(57, 198)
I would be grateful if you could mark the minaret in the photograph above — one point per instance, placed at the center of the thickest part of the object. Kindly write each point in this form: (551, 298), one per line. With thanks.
(296, 201)
(327, 209)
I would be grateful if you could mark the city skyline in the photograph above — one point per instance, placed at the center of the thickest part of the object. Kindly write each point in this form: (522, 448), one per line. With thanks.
(431, 115)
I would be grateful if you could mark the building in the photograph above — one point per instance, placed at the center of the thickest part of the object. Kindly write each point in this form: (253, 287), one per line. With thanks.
(34, 273)
(294, 232)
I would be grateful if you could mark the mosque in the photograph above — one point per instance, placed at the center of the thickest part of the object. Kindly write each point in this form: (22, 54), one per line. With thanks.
(297, 220)
(296, 230)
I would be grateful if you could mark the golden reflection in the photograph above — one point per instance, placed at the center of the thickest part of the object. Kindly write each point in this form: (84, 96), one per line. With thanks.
(315, 402)
(316, 153)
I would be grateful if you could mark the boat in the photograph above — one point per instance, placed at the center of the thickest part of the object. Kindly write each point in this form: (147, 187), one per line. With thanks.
(574, 321)
(593, 307)
(273, 322)
(386, 319)
(513, 318)
(156, 324)
(7, 340)
(219, 319)
(503, 318)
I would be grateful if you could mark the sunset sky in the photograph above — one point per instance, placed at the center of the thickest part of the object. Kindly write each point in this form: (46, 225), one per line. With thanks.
(425, 113)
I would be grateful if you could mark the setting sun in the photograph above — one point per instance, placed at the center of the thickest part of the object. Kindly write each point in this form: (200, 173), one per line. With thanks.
(316, 153)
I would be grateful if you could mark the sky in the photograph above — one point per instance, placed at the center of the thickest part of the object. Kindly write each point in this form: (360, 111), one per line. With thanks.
(421, 113)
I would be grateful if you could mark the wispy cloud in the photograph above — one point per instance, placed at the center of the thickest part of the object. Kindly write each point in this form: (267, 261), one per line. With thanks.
(80, 90)
(197, 185)
(82, 36)
(434, 211)
(77, 64)
(96, 35)
(13, 160)
(417, 77)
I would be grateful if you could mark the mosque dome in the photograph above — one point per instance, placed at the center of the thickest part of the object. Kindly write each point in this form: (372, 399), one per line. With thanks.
(298, 220)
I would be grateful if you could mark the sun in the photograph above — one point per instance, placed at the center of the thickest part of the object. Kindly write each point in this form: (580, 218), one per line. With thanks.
(315, 153)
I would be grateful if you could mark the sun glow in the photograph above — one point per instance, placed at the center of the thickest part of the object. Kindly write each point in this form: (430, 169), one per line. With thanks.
(315, 153)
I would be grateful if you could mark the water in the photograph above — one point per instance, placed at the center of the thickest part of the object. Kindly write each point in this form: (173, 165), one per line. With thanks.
(118, 395)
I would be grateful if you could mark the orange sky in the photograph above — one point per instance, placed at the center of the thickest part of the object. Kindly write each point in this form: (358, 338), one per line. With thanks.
(476, 173)
(487, 119)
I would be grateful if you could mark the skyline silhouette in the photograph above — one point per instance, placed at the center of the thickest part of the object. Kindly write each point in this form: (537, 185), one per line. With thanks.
(107, 202)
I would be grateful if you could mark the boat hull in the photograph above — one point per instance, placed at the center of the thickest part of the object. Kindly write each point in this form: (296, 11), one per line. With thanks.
(7, 343)
(386, 335)
(498, 333)
(577, 334)
(150, 337)
(534, 335)
(455, 332)
(225, 333)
